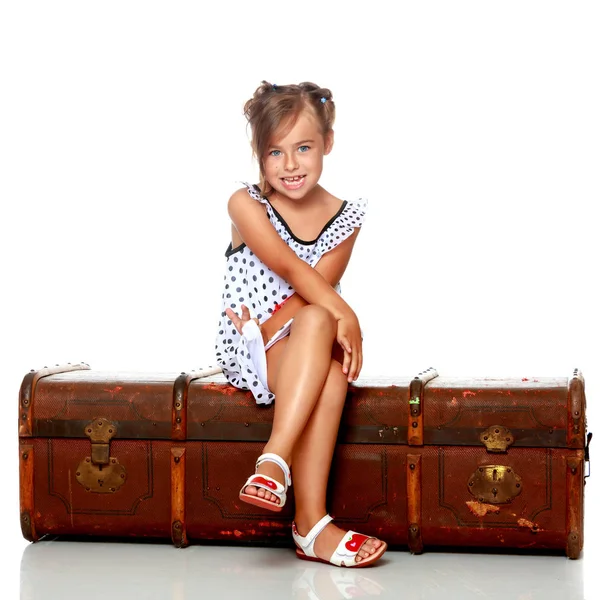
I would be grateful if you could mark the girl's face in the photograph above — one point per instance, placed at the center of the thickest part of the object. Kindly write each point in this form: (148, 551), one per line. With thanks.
(294, 161)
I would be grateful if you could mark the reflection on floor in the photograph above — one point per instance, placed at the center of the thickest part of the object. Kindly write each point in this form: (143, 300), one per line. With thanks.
(69, 570)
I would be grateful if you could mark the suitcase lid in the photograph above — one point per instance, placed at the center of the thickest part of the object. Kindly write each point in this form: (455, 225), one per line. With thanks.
(424, 410)
(498, 413)
(427, 409)
(73, 401)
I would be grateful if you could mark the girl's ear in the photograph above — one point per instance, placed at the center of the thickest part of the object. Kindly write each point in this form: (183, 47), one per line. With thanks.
(328, 142)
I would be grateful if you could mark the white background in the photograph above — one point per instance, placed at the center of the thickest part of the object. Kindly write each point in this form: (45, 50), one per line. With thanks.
(472, 127)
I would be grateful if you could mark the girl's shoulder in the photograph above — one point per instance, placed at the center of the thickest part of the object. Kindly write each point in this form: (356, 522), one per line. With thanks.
(252, 191)
(244, 199)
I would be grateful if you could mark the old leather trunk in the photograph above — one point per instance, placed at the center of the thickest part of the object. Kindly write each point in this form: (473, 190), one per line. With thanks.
(427, 461)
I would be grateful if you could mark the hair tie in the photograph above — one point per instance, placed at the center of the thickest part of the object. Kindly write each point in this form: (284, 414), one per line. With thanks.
(323, 99)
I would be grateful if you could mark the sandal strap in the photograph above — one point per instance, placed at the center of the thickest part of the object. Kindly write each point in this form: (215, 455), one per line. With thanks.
(348, 548)
(307, 542)
(275, 458)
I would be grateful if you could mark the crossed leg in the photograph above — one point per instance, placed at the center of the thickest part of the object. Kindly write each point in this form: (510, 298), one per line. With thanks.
(310, 390)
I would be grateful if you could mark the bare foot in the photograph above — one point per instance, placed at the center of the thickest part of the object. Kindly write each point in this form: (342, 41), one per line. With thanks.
(327, 541)
(272, 470)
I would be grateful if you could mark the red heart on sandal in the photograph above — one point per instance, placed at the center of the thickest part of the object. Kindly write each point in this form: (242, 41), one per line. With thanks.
(356, 541)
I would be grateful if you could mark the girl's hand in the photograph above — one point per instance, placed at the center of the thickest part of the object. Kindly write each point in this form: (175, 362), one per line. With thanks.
(350, 339)
(238, 322)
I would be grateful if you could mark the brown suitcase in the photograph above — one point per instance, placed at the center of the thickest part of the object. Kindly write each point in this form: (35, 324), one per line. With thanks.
(429, 461)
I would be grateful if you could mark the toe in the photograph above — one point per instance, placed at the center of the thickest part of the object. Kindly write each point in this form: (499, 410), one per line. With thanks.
(368, 548)
(372, 545)
(265, 495)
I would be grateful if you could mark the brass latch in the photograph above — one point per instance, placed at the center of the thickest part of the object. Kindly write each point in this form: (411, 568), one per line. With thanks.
(100, 472)
(495, 484)
(497, 438)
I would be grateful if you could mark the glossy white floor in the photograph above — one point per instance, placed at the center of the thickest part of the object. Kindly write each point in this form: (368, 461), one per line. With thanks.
(91, 570)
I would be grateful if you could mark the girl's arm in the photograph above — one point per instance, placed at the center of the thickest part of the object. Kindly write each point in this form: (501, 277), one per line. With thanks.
(256, 231)
(331, 267)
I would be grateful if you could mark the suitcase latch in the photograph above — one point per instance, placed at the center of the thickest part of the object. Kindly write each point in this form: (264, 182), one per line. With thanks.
(100, 472)
(495, 484)
(586, 456)
(497, 438)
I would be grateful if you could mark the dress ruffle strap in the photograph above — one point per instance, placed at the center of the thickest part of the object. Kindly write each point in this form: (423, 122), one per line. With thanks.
(255, 193)
(341, 229)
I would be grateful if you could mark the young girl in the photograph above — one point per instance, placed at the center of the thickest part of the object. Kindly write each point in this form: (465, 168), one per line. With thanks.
(285, 332)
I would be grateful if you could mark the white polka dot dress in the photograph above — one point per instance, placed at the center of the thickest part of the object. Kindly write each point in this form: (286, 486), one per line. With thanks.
(249, 281)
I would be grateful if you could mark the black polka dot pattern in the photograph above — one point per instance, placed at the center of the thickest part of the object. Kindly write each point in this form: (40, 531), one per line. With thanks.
(247, 277)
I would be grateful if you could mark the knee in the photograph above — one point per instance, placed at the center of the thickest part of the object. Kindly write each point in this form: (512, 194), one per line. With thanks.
(316, 318)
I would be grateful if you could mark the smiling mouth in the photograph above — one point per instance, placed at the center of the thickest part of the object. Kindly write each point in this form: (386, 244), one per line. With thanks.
(293, 183)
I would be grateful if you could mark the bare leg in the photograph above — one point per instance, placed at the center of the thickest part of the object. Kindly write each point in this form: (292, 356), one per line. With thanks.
(313, 451)
(310, 391)
(297, 369)
(312, 463)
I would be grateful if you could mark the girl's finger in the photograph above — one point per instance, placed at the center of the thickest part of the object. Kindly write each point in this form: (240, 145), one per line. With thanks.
(353, 368)
(356, 362)
(358, 367)
(344, 342)
(346, 364)
(348, 360)
(347, 355)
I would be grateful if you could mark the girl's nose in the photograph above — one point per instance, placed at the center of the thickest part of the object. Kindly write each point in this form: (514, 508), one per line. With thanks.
(291, 162)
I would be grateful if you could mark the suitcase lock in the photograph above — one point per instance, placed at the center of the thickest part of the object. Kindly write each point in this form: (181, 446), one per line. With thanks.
(495, 484)
(100, 472)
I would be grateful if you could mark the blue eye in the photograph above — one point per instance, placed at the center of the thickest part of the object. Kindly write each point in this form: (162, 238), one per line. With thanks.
(275, 152)
(306, 148)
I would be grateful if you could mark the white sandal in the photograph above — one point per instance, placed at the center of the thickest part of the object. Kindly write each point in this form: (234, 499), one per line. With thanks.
(344, 555)
(268, 483)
